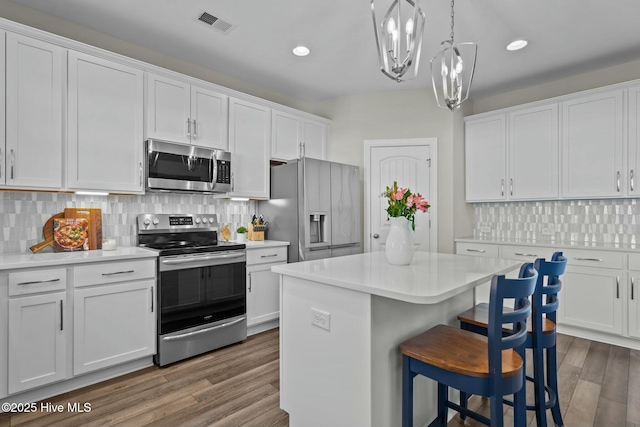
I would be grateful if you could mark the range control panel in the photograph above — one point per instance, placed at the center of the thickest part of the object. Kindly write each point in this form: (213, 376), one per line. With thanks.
(176, 222)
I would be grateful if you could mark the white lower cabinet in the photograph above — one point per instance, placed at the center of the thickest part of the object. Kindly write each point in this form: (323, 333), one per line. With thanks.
(263, 286)
(481, 292)
(634, 295)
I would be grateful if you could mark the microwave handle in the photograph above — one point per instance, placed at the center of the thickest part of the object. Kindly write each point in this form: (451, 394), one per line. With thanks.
(214, 176)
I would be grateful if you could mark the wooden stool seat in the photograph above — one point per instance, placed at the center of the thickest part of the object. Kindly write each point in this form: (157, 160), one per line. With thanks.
(459, 351)
(479, 316)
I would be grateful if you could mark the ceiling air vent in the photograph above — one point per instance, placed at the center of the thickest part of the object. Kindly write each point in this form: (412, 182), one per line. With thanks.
(215, 22)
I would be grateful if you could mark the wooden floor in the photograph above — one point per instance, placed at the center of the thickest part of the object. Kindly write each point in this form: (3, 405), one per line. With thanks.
(239, 386)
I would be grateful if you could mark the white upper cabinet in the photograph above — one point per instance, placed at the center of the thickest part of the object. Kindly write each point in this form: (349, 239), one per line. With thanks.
(533, 153)
(592, 146)
(105, 125)
(633, 185)
(3, 170)
(180, 112)
(485, 158)
(250, 146)
(32, 153)
(295, 136)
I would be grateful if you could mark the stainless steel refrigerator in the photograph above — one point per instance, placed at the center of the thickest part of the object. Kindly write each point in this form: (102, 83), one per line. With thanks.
(315, 205)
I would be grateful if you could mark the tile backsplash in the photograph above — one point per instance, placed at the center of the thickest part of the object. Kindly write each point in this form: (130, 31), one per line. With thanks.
(22, 214)
(588, 221)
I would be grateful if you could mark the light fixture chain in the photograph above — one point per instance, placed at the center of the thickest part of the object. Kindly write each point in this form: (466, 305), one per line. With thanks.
(452, 21)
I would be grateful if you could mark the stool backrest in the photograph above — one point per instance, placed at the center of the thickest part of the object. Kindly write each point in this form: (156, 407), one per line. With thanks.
(545, 297)
(519, 289)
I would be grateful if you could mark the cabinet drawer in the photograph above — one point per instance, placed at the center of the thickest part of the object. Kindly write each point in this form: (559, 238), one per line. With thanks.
(111, 272)
(634, 262)
(37, 280)
(601, 259)
(526, 253)
(477, 249)
(266, 255)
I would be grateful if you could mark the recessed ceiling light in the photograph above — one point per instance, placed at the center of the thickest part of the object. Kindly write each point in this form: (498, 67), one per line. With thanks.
(517, 45)
(301, 51)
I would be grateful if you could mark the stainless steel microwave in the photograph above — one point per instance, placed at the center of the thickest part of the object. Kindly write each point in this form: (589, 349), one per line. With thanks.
(182, 167)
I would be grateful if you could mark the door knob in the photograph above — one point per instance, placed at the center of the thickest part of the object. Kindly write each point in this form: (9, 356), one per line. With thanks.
(376, 235)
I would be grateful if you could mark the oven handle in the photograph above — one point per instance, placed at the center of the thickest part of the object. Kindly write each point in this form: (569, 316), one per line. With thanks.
(198, 259)
(202, 331)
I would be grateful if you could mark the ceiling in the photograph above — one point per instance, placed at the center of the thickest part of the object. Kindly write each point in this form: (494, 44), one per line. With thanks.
(565, 37)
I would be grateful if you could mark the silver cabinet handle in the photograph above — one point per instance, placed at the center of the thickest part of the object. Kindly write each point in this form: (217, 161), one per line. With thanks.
(519, 254)
(300, 149)
(151, 289)
(511, 186)
(12, 163)
(61, 316)
(202, 331)
(502, 187)
(118, 272)
(140, 174)
(618, 181)
(195, 129)
(588, 259)
(376, 235)
(38, 281)
(189, 128)
(632, 286)
(268, 256)
(249, 282)
(476, 250)
(631, 179)
(617, 287)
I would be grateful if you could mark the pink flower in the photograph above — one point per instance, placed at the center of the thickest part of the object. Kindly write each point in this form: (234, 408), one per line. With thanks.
(400, 194)
(421, 203)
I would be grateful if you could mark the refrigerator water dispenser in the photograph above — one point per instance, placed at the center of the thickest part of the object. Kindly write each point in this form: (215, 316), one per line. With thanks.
(317, 224)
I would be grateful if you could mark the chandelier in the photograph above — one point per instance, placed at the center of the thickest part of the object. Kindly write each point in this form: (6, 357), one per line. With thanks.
(451, 76)
(399, 38)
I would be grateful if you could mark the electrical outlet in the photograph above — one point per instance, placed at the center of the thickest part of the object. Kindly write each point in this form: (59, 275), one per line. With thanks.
(549, 231)
(485, 229)
(321, 319)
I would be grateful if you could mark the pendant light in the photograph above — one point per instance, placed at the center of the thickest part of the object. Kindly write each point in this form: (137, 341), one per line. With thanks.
(399, 38)
(451, 75)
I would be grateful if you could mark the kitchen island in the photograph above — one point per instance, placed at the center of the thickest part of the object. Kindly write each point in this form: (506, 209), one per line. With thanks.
(341, 322)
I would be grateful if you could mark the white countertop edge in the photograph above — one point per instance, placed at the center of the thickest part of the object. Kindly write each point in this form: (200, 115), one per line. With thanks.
(613, 247)
(54, 259)
(251, 244)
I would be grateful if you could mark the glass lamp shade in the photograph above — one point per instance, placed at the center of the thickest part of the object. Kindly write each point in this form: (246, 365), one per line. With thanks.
(398, 36)
(452, 72)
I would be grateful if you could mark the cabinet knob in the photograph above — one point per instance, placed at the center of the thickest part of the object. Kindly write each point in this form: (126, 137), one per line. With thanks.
(376, 235)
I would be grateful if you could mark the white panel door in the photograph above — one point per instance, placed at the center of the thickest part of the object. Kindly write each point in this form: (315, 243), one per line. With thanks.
(209, 118)
(113, 324)
(250, 146)
(168, 109)
(485, 159)
(263, 294)
(314, 139)
(410, 166)
(106, 102)
(33, 113)
(3, 170)
(633, 188)
(634, 305)
(534, 153)
(592, 146)
(38, 337)
(592, 298)
(285, 136)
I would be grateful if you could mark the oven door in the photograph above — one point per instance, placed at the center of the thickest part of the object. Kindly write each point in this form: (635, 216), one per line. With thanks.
(200, 289)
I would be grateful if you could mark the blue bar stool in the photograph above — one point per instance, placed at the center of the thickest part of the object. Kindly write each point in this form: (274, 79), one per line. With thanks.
(491, 366)
(541, 337)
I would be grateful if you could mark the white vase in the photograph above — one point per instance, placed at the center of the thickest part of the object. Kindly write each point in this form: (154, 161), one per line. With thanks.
(399, 247)
(242, 237)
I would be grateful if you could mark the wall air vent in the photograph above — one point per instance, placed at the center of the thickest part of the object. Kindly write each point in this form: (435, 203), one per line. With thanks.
(215, 22)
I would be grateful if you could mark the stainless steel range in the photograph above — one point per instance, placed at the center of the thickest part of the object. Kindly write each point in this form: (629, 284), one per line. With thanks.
(201, 285)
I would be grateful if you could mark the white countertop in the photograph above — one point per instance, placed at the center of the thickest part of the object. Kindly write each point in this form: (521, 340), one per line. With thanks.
(251, 244)
(47, 259)
(429, 279)
(617, 247)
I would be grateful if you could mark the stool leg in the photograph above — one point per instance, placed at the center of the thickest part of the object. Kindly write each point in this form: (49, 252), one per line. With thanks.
(407, 393)
(443, 396)
(552, 378)
(496, 411)
(538, 385)
(464, 401)
(520, 397)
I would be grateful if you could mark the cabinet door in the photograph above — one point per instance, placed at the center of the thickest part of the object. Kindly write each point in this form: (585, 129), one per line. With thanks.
(168, 109)
(285, 136)
(592, 146)
(38, 336)
(113, 324)
(250, 146)
(33, 113)
(209, 118)
(106, 101)
(591, 298)
(534, 153)
(314, 139)
(633, 188)
(634, 304)
(3, 170)
(485, 159)
(263, 294)
(481, 292)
